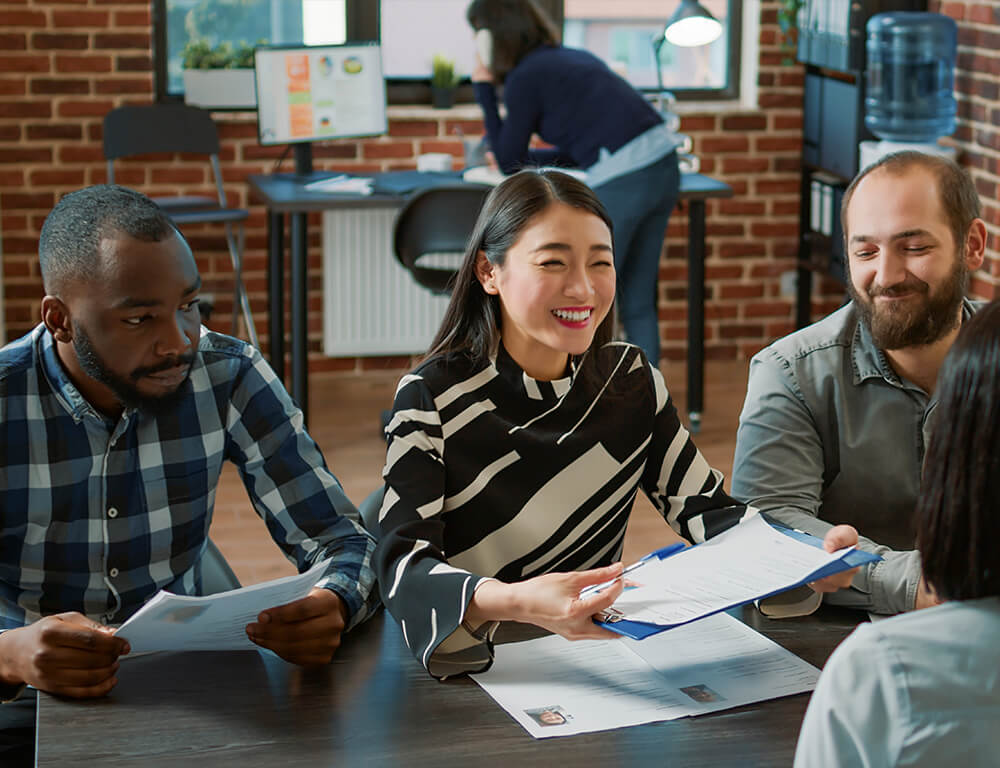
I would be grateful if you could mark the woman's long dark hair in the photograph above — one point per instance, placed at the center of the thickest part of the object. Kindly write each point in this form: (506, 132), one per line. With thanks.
(517, 26)
(958, 514)
(471, 325)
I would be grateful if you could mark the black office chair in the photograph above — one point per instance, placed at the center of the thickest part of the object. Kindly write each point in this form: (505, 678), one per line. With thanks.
(432, 230)
(172, 128)
(216, 575)
(430, 234)
(369, 509)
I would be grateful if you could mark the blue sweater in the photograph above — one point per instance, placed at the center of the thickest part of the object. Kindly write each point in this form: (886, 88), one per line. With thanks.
(572, 100)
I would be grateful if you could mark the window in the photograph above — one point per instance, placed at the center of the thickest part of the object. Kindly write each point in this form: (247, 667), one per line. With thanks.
(622, 33)
(178, 22)
(411, 31)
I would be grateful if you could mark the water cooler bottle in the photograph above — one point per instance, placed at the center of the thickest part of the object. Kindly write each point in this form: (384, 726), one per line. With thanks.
(909, 101)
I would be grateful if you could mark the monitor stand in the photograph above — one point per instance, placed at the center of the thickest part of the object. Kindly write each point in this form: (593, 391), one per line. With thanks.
(303, 161)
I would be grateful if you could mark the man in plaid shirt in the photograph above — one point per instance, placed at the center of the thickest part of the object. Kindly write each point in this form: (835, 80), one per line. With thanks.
(116, 414)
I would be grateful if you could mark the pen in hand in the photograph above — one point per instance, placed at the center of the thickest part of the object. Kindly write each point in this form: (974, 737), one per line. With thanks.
(658, 554)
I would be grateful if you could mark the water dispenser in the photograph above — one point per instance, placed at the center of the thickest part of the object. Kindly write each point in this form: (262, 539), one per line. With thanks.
(909, 100)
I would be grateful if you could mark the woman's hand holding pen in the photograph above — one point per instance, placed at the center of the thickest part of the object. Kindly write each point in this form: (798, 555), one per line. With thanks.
(551, 601)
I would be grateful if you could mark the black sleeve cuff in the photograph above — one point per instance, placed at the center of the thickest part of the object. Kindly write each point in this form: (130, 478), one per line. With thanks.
(11, 693)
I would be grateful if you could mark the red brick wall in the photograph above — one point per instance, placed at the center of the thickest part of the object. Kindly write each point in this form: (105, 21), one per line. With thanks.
(977, 86)
(65, 63)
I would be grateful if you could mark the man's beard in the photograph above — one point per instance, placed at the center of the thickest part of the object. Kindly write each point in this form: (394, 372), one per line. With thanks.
(909, 323)
(125, 388)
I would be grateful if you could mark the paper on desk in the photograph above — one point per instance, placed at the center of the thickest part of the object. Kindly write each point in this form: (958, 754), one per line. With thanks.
(353, 185)
(554, 687)
(746, 562)
(218, 622)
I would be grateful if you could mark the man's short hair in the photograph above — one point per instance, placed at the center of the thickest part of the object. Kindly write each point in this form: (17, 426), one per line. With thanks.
(956, 190)
(71, 235)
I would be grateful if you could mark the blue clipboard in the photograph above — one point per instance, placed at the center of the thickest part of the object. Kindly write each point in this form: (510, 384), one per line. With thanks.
(639, 630)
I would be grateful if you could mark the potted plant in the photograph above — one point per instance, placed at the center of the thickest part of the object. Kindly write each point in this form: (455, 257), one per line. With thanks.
(444, 81)
(788, 23)
(219, 78)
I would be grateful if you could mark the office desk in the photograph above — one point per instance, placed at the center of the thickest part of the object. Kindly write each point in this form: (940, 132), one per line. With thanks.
(375, 706)
(285, 194)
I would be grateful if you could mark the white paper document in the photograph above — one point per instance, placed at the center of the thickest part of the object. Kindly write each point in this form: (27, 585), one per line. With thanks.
(218, 622)
(554, 687)
(352, 185)
(746, 562)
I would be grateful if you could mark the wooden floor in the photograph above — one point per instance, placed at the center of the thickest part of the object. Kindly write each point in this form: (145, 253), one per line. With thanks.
(344, 422)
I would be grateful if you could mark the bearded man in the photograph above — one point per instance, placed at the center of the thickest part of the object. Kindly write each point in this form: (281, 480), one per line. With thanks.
(837, 415)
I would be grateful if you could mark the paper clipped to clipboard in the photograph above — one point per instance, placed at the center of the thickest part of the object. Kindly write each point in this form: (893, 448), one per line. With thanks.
(751, 561)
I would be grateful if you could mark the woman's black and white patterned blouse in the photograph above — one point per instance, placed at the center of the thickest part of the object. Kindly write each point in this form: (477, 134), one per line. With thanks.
(490, 473)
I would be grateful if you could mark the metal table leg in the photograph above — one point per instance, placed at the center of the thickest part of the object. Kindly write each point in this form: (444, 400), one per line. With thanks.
(696, 312)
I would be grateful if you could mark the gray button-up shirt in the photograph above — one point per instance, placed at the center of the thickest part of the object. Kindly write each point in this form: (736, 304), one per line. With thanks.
(830, 434)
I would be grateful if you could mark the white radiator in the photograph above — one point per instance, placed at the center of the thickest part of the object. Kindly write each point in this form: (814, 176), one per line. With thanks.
(371, 304)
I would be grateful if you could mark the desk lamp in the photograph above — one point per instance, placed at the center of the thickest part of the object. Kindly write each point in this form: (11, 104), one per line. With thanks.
(689, 26)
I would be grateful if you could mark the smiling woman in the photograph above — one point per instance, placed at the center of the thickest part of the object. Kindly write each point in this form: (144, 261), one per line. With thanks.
(555, 287)
(516, 449)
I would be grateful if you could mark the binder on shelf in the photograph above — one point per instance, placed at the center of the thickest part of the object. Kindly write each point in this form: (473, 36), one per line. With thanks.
(832, 32)
(815, 205)
(826, 217)
(824, 212)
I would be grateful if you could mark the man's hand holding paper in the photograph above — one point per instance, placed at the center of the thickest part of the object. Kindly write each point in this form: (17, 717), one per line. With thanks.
(837, 538)
(750, 561)
(222, 622)
(67, 654)
(306, 631)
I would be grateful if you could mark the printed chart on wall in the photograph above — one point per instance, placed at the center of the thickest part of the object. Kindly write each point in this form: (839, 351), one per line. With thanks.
(319, 92)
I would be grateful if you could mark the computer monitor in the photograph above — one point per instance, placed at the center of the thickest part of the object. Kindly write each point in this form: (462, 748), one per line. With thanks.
(317, 92)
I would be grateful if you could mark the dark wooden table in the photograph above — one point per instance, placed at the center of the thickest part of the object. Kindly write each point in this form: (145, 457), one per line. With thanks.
(284, 194)
(375, 706)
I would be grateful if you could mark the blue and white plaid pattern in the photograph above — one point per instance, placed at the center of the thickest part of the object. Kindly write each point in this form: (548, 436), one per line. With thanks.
(97, 516)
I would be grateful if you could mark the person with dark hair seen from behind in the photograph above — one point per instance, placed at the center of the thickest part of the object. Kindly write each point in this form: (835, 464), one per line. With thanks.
(836, 417)
(515, 450)
(923, 689)
(116, 414)
(596, 121)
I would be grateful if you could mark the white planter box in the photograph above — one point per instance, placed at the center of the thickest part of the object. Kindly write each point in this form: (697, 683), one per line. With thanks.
(220, 88)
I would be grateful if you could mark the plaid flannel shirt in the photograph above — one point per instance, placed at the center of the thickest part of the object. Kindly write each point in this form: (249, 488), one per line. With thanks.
(98, 515)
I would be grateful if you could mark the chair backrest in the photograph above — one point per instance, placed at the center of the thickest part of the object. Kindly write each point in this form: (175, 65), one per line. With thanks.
(369, 509)
(435, 221)
(216, 575)
(138, 130)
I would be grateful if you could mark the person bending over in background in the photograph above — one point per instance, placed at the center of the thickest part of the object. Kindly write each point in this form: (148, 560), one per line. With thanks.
(596, 121)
